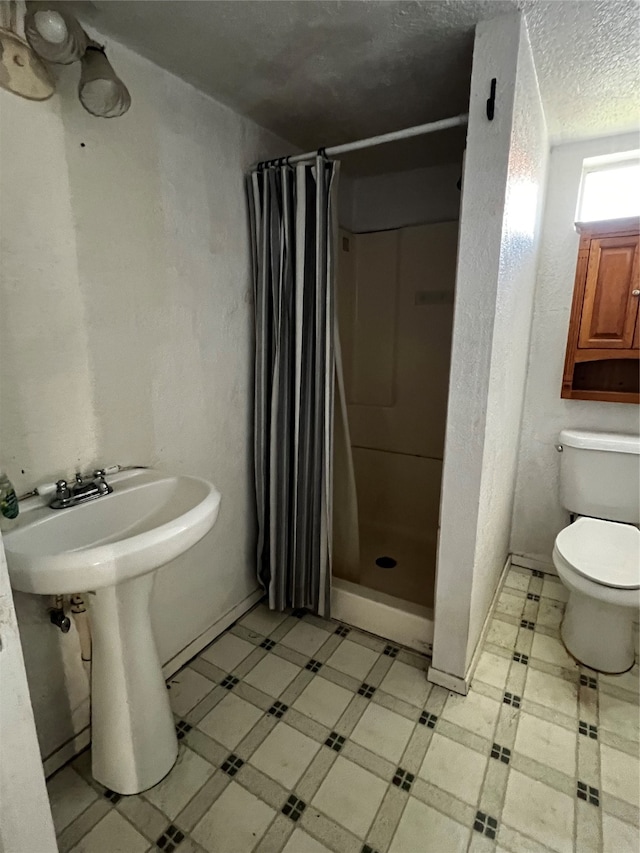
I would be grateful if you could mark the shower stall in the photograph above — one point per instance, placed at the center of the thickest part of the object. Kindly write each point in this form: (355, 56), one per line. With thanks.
(409, 446)
(395, 293)
(353, 334)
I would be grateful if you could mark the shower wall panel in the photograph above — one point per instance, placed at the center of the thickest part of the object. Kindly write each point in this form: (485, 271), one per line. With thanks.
(395, 304)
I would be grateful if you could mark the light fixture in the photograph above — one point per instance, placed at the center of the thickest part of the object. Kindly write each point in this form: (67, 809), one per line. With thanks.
(54, 34)
(50, 26)
(21, 70)
(101, 92)
(43, 30)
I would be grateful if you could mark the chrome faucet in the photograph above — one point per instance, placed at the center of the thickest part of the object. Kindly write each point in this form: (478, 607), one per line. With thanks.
(80, 492)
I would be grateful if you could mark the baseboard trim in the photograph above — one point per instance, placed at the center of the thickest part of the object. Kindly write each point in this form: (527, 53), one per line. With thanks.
(82, 739)
(455, 682)
(197, 645)
(448, 681)
(385, 615)
(527, 562)
(67, 751)
(487, 622)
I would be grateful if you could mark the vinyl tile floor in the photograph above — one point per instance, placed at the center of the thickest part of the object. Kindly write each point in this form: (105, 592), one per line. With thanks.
(303, 735)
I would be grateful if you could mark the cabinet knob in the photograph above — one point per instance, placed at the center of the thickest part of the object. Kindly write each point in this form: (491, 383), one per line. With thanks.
(635, 292)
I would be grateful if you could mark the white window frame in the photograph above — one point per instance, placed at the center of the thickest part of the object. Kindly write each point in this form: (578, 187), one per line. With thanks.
(604, 163)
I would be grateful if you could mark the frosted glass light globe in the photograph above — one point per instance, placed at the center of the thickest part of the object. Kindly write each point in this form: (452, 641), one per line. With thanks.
(55, 35)
(101, 92)
(51, 26)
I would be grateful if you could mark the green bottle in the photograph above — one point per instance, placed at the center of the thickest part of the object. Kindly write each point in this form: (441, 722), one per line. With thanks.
(8, 500)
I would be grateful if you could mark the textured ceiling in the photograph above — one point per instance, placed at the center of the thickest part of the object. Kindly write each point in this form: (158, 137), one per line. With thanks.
(324, 72)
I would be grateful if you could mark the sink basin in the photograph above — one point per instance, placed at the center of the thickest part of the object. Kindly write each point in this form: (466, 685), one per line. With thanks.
(109, 550)
(149, 519)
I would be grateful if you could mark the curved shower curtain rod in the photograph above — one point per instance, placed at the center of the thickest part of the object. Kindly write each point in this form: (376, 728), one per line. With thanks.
(418, 130)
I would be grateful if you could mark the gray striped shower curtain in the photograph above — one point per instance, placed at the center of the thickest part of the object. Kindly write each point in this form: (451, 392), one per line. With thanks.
(294, 229)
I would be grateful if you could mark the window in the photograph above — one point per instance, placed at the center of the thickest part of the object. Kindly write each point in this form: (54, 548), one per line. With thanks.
(610, 188)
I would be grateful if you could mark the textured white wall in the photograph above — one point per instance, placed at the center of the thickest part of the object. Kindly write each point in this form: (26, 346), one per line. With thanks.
(519, 254)
(538, 516)
(126, 331)
(504, 176)
(397, 199)
(25, 816)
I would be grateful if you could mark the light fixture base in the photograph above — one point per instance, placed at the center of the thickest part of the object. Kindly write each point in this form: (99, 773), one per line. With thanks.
(24, 73)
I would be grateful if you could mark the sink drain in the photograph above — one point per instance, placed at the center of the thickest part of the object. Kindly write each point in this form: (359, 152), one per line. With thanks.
(386, 562)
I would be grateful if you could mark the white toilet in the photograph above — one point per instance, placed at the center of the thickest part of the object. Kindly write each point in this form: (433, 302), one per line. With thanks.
(598, 555)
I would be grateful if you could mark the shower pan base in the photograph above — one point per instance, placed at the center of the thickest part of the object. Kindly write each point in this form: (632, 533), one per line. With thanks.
(389, 617)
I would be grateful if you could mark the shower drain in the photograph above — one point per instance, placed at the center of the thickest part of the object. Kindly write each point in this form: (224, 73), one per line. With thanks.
(386, 562)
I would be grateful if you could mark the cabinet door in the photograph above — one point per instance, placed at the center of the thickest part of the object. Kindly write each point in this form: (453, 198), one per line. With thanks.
(610, 309)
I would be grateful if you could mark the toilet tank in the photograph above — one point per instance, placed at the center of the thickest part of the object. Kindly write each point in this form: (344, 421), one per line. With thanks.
(600, 475)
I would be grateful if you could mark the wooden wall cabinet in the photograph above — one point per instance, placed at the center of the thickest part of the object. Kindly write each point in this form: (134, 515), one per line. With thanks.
(603, 347)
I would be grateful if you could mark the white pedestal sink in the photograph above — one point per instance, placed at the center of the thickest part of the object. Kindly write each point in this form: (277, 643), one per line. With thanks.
(110, 548)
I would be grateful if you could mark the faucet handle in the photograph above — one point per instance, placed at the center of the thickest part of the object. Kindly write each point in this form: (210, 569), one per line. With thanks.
(63, 497)
(98, 478)
(62, 491)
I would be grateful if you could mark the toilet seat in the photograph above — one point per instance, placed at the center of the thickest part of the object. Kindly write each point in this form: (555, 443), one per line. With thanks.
(605, 552)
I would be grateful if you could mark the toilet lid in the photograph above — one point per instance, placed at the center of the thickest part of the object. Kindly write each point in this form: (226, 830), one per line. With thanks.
(603, 551)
